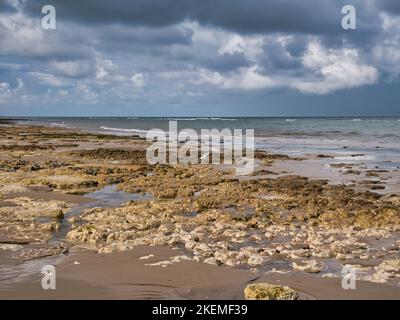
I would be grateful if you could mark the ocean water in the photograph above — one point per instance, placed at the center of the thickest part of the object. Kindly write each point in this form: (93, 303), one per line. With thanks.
(377, 138)
(326, 127)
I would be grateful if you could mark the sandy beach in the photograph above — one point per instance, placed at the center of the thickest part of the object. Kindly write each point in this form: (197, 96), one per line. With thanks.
(124, 275)
(119, 228)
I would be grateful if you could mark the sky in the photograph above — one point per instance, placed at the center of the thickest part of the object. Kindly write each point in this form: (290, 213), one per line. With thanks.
(200, 58)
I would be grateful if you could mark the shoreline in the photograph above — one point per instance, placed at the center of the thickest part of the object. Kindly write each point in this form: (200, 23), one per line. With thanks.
(355, 167)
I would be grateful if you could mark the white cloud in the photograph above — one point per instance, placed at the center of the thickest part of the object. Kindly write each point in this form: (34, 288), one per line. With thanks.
(62, 93)
(7, 93)
(250, 46)
(23, 36)
(390, 24)
(387, 57)
(138, 80)
(87, 93)
(19, 34)
(15, 3)
(205, 76)
(328, 70)
(70, 68)
(249, 79)
(243, 79)
(325, 71)
(20, 85)
(234, 44)
(103, 68)
(49, 79)
(386, 54)
(107, 71)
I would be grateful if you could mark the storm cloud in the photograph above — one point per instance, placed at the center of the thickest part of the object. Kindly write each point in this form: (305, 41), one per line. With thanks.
(251, 16)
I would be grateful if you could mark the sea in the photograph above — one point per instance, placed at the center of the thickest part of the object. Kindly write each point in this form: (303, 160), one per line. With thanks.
(377, 139)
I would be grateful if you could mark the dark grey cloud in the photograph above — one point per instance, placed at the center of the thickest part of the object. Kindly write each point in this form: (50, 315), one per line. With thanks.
(147, 26)
(5, 6)
(390, 6)
(156, 13)
(139, 39)
(279, 57)
(250, 16)
(225, 62)
(270, 16)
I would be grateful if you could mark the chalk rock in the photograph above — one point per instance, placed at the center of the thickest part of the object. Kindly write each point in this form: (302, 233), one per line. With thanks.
(11, 247)
(311, 266)
(210, 260)
(388, 269)
(255, 260)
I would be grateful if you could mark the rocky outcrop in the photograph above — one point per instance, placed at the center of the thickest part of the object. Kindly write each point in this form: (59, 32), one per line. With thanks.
(265, 291)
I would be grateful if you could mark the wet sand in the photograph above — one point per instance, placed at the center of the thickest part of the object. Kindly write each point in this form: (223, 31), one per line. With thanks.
(124, 275)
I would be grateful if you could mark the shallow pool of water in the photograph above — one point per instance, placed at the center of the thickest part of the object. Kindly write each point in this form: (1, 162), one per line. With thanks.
(108, 197)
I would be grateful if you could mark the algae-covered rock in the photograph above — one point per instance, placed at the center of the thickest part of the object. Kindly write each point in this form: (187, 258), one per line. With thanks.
(265, 291)
(57, 214)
